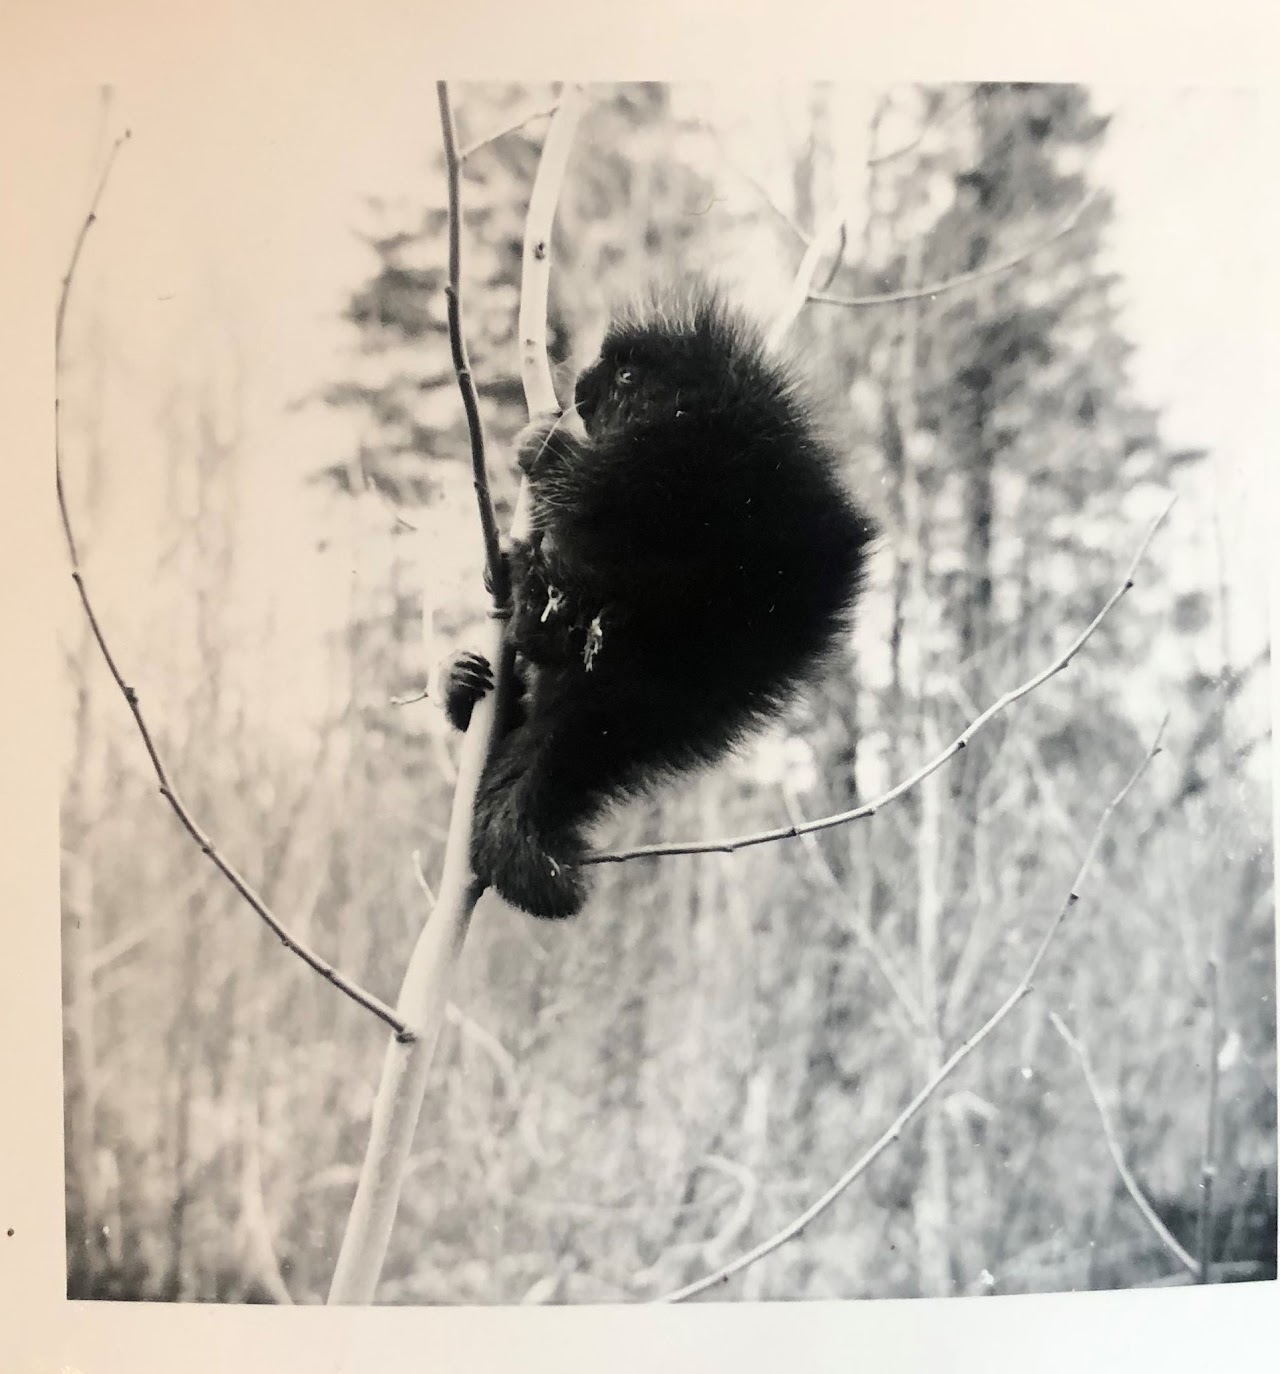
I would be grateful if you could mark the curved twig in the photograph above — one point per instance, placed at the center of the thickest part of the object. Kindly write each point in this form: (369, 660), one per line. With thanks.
(207, 847)
(64, 295)
(905, 999)
(541, 113)
(761, 190)
(1162, 1232)
(941, 288)
(1024, 985)
(790, 832)
(801, 286)
(458, 349)
(879, 159)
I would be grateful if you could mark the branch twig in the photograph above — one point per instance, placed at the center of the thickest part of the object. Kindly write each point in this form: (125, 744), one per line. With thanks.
(1149, 1215)
(541, 113)
(790, 832)
(1209, 1166)
(64, 295)
(763, 192)
(290, 941)
(941, 288)
(802, 284)
(795, 1227)
(936, 122)
(862, 928)
(458, 349)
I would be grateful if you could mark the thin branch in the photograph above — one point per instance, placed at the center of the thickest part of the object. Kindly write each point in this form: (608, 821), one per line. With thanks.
(110, 953)
(1162, 1232)
(290, 941)
(422, 694)
(374, 489)
(541, 113)
(64, 295)
(765, 194)
(790, 832)
(421, 877)
(795, 1227)
(862, 929)
(837, 258)
(936, 122)
(941, 288)
(1209, 1166)
(502, 1059)
(461, 363)
(802, 284)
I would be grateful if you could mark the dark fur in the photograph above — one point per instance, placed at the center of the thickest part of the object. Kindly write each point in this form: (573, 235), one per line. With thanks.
(693, 559)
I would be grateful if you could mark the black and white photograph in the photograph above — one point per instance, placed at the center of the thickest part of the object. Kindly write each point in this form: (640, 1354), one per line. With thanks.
(663, 689)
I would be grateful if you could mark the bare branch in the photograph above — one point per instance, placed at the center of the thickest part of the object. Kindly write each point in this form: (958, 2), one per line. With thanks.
(866, 936)
(1209, 1166)
(730, 846)
(766, 195)
(541, 113)
(498, 1054)
(64, 295)
(290, 941)
(795, 1227)
(421, 877)
(1162, 1232)
(90, 219)
(941, 288)
(837, 258)
(802, 284)
(929, 124)
(422, 694)
(374, 489)
(461, 363)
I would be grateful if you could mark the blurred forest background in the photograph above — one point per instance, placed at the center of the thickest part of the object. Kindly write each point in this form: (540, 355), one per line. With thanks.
(620, 1103)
